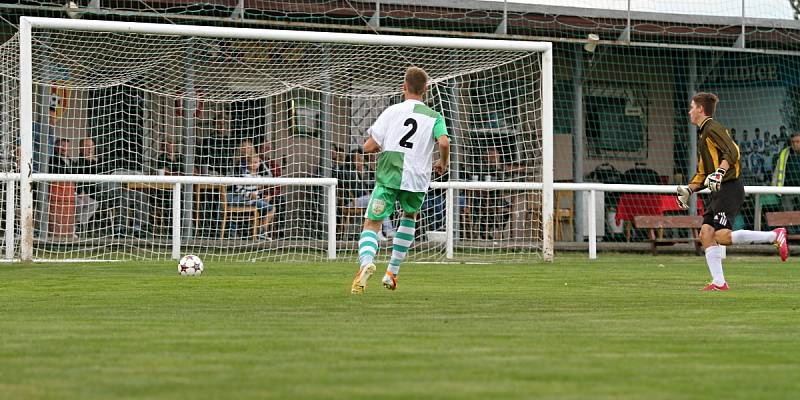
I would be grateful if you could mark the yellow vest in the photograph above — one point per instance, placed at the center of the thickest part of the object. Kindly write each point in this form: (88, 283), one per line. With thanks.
(780, 169)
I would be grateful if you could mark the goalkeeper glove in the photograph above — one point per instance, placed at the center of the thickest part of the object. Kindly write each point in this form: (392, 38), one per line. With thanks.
(683, 197)
(714, 179)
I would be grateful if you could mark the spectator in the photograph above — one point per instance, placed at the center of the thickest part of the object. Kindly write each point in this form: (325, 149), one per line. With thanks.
(744, 149)
(86, 204)
(357, 180)
(61, 163)
(767, 138)
(170, 162)
(767, 153)
(783, 137)
(246, 151)
(745, 146)
(758, 143)
(337, 169)
(433, 207)
(252, 195)
(337, 159)
(490, 209)
(758, 172)
(276, 192)
(787, 171)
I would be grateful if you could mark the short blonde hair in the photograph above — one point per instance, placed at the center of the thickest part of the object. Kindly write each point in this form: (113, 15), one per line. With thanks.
(416, 80)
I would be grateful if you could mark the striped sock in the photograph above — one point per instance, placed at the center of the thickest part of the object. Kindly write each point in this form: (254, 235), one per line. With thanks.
(367, 247)
(402, 241)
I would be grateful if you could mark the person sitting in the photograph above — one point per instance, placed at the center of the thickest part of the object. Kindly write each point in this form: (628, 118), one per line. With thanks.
(356, 179)
(170, 162)
(252, 195)
(61, 163)
(88, 164)
(276, 192)
(490, 208)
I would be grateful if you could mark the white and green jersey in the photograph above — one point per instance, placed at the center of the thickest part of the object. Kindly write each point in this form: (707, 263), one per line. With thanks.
(406, 133)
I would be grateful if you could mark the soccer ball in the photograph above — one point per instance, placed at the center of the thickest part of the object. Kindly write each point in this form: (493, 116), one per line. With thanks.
(190, 265)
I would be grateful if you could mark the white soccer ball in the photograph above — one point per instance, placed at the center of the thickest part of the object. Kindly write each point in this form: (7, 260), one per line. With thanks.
(190, 265)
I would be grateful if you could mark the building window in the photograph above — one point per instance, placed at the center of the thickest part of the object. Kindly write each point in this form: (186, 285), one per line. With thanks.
(616, 124)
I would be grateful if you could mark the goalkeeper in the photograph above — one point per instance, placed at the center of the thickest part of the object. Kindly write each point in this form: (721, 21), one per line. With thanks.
(719, 169)
(404, 134)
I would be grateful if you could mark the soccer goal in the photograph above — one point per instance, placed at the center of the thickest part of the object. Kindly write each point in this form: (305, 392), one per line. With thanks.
(148, 141)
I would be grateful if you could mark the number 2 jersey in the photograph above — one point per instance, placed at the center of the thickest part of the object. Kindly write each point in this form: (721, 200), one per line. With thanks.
(406, 133)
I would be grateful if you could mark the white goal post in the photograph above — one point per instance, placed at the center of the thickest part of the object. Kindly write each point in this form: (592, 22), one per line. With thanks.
(524, 130)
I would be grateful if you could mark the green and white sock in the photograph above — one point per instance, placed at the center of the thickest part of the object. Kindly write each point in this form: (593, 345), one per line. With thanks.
(367, 247)
(402, 241)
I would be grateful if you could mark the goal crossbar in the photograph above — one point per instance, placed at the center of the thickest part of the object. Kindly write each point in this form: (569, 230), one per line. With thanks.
(273, 34)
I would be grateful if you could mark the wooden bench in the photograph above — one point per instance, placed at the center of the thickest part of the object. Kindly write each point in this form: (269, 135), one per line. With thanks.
(660, 222)
(784, 219)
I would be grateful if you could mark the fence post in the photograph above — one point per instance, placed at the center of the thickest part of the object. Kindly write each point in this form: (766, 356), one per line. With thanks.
(449, 223)
(592, 224)
(176, 222)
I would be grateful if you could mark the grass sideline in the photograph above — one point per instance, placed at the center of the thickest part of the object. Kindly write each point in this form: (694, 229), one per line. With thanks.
(620, 327)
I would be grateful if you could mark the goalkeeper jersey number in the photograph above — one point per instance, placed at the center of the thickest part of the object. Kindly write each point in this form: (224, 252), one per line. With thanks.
(406, 133)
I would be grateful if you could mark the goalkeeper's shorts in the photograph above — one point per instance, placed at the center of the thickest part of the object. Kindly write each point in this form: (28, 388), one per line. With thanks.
(725, 205)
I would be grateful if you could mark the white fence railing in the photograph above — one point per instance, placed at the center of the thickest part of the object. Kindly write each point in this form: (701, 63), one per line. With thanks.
(593, 188)
(330, 206)
(177, 182)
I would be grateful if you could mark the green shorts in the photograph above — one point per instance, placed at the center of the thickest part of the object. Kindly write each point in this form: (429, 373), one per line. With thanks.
(381, 202)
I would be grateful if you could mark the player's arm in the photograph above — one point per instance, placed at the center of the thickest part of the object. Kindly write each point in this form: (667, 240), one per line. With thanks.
(443, 142)
(371, 145)
(444, 155)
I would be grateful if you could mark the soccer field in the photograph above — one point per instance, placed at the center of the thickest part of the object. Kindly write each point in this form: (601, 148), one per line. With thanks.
(623, 326)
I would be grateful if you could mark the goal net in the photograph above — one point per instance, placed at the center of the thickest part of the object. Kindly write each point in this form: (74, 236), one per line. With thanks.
(125, 110)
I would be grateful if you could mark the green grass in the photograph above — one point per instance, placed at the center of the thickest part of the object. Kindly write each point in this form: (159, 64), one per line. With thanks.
(621, 327)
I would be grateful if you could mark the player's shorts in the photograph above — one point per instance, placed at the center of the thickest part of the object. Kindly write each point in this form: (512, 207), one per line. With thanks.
(724, 206)
(381, 202)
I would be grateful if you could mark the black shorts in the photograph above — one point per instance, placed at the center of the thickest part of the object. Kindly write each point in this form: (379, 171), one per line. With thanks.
(724, 205)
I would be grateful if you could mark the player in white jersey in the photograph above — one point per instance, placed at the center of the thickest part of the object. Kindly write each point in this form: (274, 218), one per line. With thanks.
(404, 134)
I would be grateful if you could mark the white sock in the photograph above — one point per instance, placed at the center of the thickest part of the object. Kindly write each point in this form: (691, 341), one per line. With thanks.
(367, 247)
(714, 261)
(746, 237)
